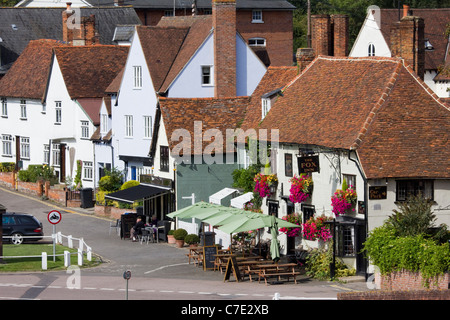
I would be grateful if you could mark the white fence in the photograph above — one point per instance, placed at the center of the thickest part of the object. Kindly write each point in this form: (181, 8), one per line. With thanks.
(60, 239)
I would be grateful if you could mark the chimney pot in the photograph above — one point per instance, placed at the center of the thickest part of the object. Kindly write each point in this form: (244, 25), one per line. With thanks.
(405, 10)
(304, 57)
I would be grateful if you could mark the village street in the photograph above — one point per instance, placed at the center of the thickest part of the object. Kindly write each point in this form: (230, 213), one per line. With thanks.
(159, 271)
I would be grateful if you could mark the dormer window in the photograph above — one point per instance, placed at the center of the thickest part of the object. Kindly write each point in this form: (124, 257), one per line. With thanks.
(265, 107)
(254, 42)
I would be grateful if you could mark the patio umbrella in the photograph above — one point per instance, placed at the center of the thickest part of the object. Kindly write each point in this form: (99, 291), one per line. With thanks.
(254, 221)
(197, 209)
(274, 246)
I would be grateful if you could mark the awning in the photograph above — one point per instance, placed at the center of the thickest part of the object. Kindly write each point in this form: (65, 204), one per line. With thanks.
(137, 193)
(217, 197)
(240, 201)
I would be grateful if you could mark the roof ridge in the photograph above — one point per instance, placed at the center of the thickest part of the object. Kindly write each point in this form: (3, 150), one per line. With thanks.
(377, 106)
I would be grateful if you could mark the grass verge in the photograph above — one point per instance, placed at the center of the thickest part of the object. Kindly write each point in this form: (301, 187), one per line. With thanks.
(35, 264)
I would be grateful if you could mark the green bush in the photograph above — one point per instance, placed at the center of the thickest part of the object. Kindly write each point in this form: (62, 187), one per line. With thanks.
(129, 184)
(192, 239)
(180, 234)
(318, 264)
(112, 181)
(7, 166)
(413, 253)
(37, 172)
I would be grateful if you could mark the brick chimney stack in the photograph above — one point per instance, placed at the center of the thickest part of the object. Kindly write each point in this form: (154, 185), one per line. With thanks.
(67, 30)
(224, 24)
(329, 34)
(304, 57)
(408, 42)
(341, 34)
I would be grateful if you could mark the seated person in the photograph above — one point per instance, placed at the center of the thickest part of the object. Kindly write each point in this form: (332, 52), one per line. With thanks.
(136, 230)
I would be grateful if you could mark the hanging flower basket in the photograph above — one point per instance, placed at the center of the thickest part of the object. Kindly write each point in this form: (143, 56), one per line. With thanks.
(263, 184)
(295, 219)
(344, 201)
(316, 229)
(301, 188)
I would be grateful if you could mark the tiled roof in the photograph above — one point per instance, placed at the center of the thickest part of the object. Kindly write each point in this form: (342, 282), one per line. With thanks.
(27, 78)
(89, 70)
(435, 25)
(274, 78)
(46, 23)
(213, 113)
(374, 105)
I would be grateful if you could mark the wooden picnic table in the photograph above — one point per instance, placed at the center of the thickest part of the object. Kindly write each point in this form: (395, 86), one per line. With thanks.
(196, 254)
(266, 271)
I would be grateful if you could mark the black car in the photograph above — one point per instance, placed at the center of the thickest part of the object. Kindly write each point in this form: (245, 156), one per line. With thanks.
(19, 226)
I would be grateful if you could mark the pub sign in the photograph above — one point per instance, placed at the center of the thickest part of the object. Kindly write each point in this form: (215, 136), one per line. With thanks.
(308, 164)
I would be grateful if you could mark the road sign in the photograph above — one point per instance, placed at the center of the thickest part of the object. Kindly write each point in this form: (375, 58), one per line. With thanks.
(54, 217)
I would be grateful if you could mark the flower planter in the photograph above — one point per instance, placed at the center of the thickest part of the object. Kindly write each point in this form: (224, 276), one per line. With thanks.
(170, 239)
(179, 243)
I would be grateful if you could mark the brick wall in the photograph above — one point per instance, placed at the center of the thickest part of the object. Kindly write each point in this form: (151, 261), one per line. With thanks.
(110, 212)
(396, 295)
(7, 179)
(224, 24)
(407, 280)
(321, 34)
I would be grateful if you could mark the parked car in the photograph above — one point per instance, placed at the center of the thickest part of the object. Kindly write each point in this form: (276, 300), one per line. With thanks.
(20, 225)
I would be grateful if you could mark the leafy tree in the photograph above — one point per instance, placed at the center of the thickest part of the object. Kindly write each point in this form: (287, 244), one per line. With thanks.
(8, 3)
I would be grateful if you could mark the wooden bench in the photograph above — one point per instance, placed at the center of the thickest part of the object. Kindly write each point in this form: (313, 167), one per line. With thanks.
(277, 270)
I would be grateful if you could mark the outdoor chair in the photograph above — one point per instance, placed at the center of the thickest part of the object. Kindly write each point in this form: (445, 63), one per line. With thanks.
(145, 235)
(115, 225)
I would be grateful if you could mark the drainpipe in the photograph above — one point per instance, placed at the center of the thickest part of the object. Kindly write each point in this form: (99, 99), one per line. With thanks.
(366, 196)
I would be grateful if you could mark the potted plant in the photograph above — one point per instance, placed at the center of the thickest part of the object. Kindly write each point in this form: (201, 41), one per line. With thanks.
(265, 185)
(170, 237)
(179, 236)
(192, 239)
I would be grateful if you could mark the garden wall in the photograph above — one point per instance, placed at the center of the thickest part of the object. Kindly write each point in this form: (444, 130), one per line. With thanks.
(110, 211)
(407, 280)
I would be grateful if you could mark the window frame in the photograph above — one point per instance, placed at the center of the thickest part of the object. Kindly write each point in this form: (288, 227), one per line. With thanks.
(129, 126)
(25, 148)
(137, 77)
(88, 170)
(4, 108)
(371, 50)
(58, 112)
(46, 154)
(406, 188)
(257, 16)
(256, 40)
(164, 158)
(23, 110)
(84, 129)
(7, 145)
(205, 76)
(103, 123)
(148, 127)
(56, 154)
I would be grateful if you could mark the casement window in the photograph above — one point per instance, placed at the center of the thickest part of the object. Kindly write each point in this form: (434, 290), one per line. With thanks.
(103, 123)
(147, 126)
(260, 42)
(88, 170)
(137, 76)
(7, 145)
(4, 107)
(25, 148)
(350, 179)
(23, 109)
(85, 129)
(371, 50)
(164, 158)
(129, 126)
(56, 154)
(168, 13)
(257, 16)
(308, 211)
(408, 188)
(206, 75)
(58, 112)
(46, 154)
(265, 107)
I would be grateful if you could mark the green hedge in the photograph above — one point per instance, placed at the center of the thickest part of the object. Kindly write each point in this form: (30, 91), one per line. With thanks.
(7, 166)
(37, 172)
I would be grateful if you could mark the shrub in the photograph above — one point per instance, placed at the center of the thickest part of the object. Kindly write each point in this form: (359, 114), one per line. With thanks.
(180, 234)
(318, 265)
(7, 166)
(112, 181)
(37, 172)
(129, 184)
(192, 239)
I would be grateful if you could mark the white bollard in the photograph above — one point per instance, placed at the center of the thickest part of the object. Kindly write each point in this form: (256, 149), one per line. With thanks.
(66, 259)
(44, 260)
(70, 241)
(89, 254)
(80, 245)
(80, 257)
(59, 237)
(276, 296)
